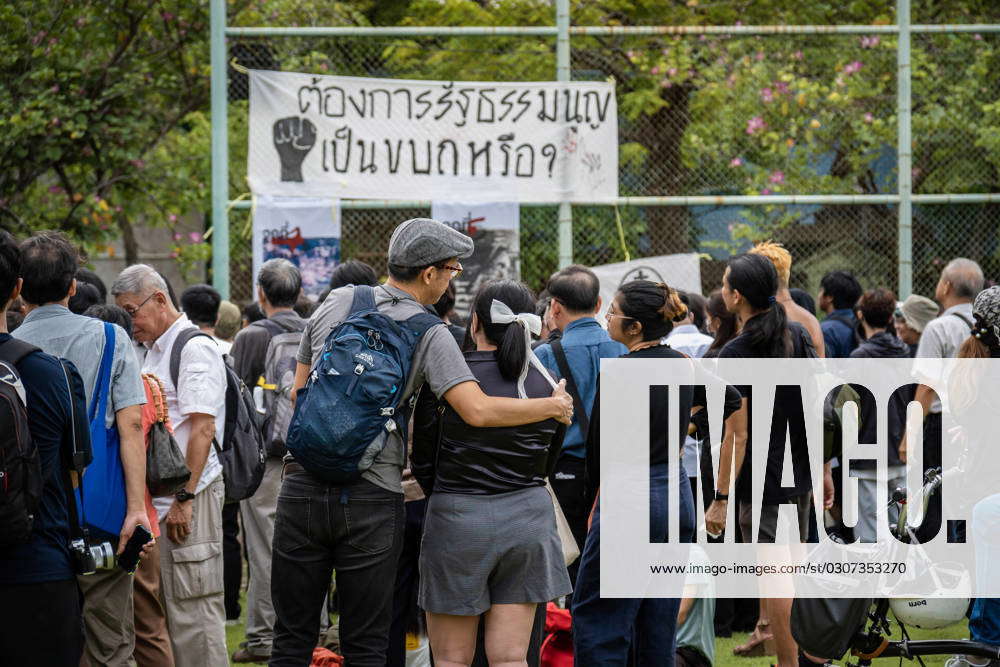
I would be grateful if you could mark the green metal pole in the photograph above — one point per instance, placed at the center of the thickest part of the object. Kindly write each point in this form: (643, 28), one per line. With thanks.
(563, 74)
(904, 150)
(220, 151)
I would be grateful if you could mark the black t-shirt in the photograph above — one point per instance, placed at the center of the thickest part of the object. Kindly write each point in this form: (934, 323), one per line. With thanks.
(659, 419)
(788, 418)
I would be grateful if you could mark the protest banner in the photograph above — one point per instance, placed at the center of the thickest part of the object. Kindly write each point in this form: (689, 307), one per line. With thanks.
(306, 231)
(367, 138)
(681, 271)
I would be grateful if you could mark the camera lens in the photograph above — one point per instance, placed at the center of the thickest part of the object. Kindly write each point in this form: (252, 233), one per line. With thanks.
(104, 556)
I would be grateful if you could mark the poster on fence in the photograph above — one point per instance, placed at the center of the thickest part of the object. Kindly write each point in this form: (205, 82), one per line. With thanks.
(681, 271)
(493, 227)
(363, 138)
(306, 231)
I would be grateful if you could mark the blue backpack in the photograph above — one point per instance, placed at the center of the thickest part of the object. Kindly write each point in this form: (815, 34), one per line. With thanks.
(351, 401)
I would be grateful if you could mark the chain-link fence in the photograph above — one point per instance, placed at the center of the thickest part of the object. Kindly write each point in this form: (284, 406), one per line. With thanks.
(717, 114)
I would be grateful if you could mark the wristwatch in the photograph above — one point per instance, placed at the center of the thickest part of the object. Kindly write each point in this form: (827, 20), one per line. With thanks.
(184, 495)
(721, 496)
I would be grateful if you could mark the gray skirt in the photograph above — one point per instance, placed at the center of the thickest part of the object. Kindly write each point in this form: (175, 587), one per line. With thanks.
(478, 551)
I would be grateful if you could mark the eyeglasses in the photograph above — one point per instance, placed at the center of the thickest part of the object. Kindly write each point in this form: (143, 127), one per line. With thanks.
(611, 314)
(132, 311)
(455, 270)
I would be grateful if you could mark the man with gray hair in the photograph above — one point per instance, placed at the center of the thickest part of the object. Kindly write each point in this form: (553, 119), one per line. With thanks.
(263, 355)
(191, 556)
(960, 282)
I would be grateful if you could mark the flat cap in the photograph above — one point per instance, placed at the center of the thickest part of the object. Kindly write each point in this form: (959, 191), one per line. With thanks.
(918, 311)
(422, 242)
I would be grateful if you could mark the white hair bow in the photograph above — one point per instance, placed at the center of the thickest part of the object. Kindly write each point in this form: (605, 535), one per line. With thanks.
(500, 313)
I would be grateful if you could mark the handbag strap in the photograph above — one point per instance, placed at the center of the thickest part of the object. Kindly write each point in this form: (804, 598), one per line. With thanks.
(578, 412)
(99, 401)
(159, 397)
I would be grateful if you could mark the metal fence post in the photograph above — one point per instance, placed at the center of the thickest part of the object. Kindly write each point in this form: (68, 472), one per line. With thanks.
(904, 150)
(220, 151)
(563, 74)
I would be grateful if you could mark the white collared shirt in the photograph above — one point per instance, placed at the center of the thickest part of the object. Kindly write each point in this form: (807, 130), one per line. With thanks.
(202, 383)
(687, 339)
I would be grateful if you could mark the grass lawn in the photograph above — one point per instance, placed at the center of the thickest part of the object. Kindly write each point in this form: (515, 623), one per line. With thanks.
(723, 647)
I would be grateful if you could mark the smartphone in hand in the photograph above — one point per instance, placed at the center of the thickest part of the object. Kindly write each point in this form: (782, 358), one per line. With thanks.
(129, 559)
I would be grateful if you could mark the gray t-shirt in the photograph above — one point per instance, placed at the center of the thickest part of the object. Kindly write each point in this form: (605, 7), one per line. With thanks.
(437, 361)
(81, 340)
(941, 339)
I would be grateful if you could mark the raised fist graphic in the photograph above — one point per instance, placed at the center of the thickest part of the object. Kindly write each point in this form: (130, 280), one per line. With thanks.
(294, 137)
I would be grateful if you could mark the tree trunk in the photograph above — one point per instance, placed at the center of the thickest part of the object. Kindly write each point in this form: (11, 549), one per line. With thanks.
(669, 226)
(128, 240)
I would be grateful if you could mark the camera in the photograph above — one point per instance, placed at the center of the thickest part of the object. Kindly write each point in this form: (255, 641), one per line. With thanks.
(88, 558)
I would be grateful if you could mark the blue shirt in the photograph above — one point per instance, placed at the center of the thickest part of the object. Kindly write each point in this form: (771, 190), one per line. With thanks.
(46, 556)
(838, 336)
(585, 343)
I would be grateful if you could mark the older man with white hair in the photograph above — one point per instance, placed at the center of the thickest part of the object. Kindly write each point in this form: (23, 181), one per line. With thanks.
(191, 556)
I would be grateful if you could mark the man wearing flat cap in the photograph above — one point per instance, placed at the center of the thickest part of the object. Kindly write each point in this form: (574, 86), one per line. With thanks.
(357, 531)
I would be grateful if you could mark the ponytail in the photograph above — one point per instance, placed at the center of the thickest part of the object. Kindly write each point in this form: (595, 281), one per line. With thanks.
(512, 352)
(768, 332)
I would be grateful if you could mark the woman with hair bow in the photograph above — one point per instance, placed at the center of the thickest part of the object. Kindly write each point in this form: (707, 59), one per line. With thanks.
(490, 541)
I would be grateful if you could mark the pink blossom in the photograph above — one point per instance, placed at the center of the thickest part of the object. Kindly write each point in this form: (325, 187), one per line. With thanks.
(869, 42)
(777, 177)
(798, 55)
(654, 70)
(174, 255)
(702, 38)
(759, 56)
(172, 217)
(118, 209)
(781, 87)
(736, 162)
(766, 95)
(977, 36)
(853, 68)
(755, 124)
(766, 191)
(869, 117)
(195, 237)
(54, 89)
(177, 236)
(672, 71)
(665, 52)
(56, 122)
(738, 22)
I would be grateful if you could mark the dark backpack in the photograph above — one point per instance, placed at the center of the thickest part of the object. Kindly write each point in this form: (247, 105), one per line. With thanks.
(351, 401)
(20, 471)
(278, 379)
(242, 452)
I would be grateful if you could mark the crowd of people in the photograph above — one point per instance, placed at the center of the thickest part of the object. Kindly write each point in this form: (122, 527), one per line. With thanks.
(477, 503)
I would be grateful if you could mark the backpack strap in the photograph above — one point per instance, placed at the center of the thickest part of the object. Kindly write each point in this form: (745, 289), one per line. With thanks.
(13, 351)
(364, 299)
(76, 461)
(578, 411)
(175, 352)
(963, 318)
